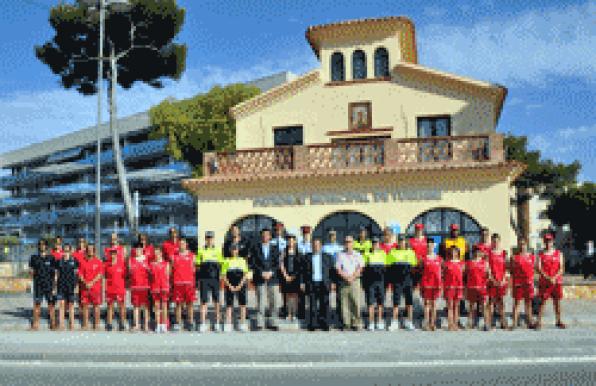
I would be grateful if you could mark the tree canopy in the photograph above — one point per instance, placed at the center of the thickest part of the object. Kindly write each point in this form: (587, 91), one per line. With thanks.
(199, 124)
(576, 207)
(145, 32)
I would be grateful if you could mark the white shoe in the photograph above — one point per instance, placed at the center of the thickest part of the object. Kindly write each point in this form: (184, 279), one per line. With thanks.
(409, 325)
(371, 327)
(228, 327)
(394, 326)
(243, 327)
(203, 328)
(381, 326)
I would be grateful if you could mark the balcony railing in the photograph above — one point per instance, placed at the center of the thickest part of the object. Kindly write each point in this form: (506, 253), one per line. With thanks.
(373, 154)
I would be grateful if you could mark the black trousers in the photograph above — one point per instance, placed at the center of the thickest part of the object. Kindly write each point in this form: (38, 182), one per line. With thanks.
(318, 305)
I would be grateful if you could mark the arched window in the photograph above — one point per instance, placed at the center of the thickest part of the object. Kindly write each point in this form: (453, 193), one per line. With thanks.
(381, 62)
(358, 65)
(338, 72)
(346, 223)
(437, 221)
(251, 226)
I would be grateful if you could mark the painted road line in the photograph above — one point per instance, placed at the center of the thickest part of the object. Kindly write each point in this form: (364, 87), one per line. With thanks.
(304, 365)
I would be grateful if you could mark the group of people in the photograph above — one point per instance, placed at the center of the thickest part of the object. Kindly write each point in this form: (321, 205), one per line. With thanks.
(305, 270)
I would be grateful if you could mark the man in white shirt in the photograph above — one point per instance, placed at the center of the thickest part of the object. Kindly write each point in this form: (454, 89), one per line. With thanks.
(349, 267)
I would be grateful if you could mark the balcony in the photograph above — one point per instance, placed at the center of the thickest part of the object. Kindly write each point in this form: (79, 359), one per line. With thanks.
(355, 157)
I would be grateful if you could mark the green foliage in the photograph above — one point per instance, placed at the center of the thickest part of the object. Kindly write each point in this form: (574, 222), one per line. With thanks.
(9, 240)
(152, 54)
(576, 207)
(200, 124)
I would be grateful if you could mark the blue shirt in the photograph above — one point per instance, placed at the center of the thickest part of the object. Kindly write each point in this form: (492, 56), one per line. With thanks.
(280, 243)
(332, 249)
(304, 247)
(265, 248)
(317, 269)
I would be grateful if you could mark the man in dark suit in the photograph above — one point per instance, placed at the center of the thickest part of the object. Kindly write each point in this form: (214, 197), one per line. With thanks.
(316, 282)
(265, 266)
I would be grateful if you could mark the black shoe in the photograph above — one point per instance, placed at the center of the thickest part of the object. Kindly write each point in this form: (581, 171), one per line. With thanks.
(109, 327)
(311, 328)
(121, 327)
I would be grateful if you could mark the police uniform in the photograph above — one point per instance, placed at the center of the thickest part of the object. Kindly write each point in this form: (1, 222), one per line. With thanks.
(362, 246)
(209, 261)
(67, 279)
(401, 263)
(234, 269)
(375, 262)
(44, 270)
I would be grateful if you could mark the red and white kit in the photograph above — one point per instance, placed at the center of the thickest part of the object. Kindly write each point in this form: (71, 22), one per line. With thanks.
(453, 280)
(497, 266)
(89, 271)
(430, 283)
(183, 278)
(115, 282)
(476, 278)
(551, 264)
(139, 283)
(523, 276)
(160, 281)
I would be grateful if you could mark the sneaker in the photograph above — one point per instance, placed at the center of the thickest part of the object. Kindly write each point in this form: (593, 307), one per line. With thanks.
(394, 326)
(175, 328)
(371, 327)
(228, 327)
(109, 327)
(381, 326)
(409, 325)
(244, 327)
(203, 328)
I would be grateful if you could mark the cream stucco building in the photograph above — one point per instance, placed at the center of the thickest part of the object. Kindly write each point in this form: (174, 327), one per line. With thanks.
(369, 138)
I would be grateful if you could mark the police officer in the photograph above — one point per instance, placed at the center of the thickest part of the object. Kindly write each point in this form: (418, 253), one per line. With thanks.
(279, 239)
(209, 261)
(333, 248)
(375, 262)
(43, 271)
(362, 244)
(402, 261)
(67, 269)
(304, 248)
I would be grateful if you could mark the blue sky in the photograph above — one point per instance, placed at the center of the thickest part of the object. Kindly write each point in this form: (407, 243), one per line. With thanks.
(543, 51)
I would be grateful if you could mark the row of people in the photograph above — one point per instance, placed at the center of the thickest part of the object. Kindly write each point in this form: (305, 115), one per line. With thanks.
(304, 269)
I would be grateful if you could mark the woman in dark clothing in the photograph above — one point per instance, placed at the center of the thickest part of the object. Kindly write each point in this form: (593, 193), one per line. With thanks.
(289, 267)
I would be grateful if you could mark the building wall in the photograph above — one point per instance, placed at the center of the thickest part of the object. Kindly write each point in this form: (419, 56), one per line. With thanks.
(486, 201)
(321, 108)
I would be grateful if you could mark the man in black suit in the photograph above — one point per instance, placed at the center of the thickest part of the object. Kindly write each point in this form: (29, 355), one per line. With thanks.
(316, 282)
(265, 266)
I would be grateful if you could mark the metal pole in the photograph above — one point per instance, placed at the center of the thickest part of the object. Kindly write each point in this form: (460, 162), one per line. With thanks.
(98, 152)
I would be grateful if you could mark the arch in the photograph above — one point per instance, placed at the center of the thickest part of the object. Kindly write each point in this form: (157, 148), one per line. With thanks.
(251, 226)
(338, 69)
(381, 62)
(358, 65)
(346, 222)
(437, 221)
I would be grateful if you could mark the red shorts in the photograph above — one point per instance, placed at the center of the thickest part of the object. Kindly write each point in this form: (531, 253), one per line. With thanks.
(496, 292)
(476, 294)
(139, 297)
(523, 291)
(160, 296)
(91, 297)
(183, 293)
(428, 293)
(547, 290)
(453, 293)
(112, 297)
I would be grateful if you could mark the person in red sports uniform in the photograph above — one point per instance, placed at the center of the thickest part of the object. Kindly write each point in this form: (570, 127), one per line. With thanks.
(115, 273)
(498, 278)
(58, 251)
(430, 285)
(522, 270)
(388, 242)
(160, 290)
(485, 244)
(418, 244)
(91, 274)
(476, 277)
(183, 276)
(138, 270)
(551, 264)
(81, 252)
(170, 247)
(148, 248)
(114, 245)
(453, 284)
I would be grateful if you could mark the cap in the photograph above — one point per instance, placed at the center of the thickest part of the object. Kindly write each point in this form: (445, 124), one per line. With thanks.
(209, 234)
(305, 228)
(290, 236)
(548, 236)
(332, 231)
(419, 226)
(376, 240)
(454, 227)
(279, 225)
(349, 238)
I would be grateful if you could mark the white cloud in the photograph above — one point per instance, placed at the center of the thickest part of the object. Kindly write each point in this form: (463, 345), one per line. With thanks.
(526, 48)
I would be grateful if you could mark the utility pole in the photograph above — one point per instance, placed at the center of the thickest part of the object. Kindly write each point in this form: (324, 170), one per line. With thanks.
(98, 151)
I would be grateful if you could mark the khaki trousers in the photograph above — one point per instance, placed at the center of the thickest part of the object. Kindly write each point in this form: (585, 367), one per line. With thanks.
(350, 304)
(267, 304)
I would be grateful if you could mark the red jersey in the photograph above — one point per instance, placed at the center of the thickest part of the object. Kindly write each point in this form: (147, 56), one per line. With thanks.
(523, 269)
(485, 248)
(79, 256)
(431, 272)
(169, 249)
(139, 274)
(496, 262)
(115, 277)
(476, 275)
(183, 266)
(387, 247)
(419, 246)
(148, 251)
(453, 274)
(160, 281)
(119, 253)
(551, 264)
(57, 253)
(90, 270)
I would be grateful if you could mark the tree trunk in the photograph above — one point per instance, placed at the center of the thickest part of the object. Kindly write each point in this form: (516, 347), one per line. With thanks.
(523, 196)
(120, 170)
